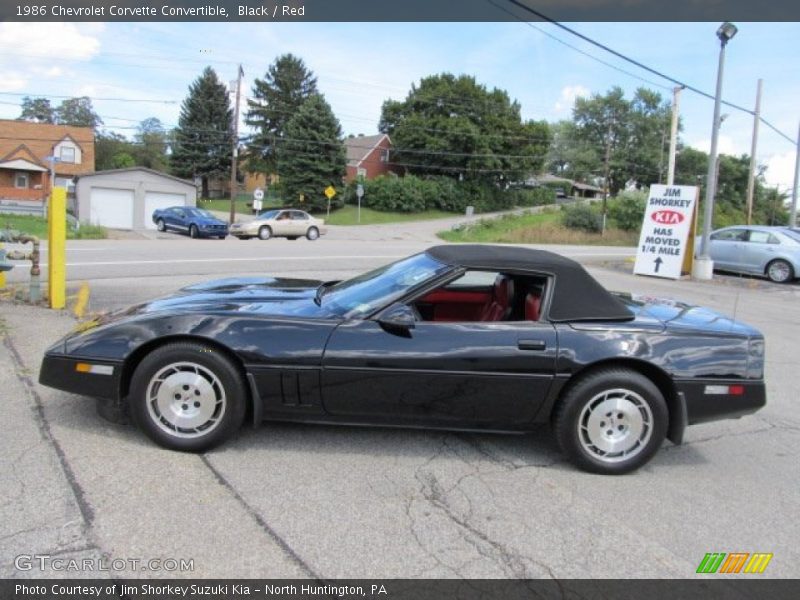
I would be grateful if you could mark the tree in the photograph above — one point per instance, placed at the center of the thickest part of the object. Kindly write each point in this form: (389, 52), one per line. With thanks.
(286, 85)
(203, 138)
(568, 156)
(311, 155)
(37, 110)
(450, 125)
(77, 112)
(111, 150)
(151, 140)
(632, 133)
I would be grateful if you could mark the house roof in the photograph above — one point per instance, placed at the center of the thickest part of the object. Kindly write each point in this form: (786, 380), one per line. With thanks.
(133, 169)
(576, 296)
(358, 147)
(586, 187)
(22, 139)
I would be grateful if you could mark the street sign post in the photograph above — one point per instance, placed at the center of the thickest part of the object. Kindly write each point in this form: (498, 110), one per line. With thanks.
(258, 197)
(330, 192)
(666, 242)
(359, 195)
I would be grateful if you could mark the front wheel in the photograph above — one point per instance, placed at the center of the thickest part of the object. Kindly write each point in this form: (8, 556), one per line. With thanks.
(193, 231)
(312, 233)
(264, 233)
(611, 421)
(187, 396)
(160, 225)
(780, 271)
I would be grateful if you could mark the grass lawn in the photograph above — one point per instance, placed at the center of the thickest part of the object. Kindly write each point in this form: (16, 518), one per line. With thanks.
(536, 228)
(38, 226)
(348, 215)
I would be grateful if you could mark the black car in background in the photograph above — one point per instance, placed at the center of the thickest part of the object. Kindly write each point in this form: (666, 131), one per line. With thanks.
(462, 337)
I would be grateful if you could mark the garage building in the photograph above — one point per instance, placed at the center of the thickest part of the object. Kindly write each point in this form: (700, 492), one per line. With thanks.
(126, 198)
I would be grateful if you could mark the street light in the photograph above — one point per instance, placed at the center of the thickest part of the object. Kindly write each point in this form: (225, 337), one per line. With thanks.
(704, 266)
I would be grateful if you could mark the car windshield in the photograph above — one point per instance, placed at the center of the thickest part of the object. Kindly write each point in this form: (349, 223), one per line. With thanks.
(269, 214)
(199, 212)
(364, 294)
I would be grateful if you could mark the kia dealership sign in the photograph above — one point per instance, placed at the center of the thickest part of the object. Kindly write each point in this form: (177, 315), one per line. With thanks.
(665, 245)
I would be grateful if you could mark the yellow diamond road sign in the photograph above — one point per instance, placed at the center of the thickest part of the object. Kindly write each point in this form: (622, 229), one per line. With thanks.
(330, 192)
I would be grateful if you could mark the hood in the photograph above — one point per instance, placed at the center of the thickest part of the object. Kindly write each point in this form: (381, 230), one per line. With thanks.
(262, 295)
(680, 316)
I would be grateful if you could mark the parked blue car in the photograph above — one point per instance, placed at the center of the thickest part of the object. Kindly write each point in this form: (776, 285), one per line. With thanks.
(195, 222)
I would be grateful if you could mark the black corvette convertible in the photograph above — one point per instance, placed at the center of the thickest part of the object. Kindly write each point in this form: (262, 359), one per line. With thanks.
(464, 337)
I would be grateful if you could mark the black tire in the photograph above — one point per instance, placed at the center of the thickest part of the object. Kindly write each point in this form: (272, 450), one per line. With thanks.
(264, 233)
(312, 233)
(193, 231)
(243, 237)
(191, 384)
(780, 271)
(160, 225)
(589, 436)
(222, 237)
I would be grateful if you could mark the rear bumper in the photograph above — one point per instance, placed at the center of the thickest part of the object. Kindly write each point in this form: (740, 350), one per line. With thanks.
(60, 372)
(705, 403)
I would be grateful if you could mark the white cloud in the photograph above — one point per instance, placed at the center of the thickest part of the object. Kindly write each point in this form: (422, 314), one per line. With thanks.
(725, 145)
(54, 41)
(568, 95)
(780, 169)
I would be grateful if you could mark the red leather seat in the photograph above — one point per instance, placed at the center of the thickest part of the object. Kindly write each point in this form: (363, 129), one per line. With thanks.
(533, 306)
(500, 306)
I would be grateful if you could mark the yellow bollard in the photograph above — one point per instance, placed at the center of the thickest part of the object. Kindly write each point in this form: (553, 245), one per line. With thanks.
(57, 248)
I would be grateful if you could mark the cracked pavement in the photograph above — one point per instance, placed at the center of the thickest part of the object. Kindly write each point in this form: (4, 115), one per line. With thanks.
(288, 500)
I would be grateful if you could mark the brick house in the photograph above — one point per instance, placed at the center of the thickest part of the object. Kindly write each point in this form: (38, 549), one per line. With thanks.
(367, 156)
(24, 148)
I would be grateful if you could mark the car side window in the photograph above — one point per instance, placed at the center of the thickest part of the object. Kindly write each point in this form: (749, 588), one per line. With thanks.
(730, 235)
(762, 237)
(484, 296)
(299, 216)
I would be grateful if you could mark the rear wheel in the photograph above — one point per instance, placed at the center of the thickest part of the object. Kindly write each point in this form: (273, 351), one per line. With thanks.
(312, 233)
(160, 225)
(611, 421)
(187, 396)
(780, 271)
(264, 233)
(193, 231)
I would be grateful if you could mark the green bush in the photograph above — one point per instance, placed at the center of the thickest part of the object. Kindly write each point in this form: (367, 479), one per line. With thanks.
(628, 208)
(538, 196)
(582, 217)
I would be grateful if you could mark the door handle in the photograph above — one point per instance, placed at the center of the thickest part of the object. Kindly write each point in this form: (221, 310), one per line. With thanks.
(531, 344)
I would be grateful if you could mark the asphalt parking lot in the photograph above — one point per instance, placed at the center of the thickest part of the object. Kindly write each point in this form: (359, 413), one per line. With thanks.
(329, 502)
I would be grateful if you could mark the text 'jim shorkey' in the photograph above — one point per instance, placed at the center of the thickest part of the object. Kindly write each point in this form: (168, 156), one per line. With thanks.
(735, 562)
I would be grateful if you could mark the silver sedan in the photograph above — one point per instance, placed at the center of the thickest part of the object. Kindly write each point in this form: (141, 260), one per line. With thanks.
(773, 252)
(289, 223)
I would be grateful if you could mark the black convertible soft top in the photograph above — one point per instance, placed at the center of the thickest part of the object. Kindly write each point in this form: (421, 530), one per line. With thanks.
(576, 295)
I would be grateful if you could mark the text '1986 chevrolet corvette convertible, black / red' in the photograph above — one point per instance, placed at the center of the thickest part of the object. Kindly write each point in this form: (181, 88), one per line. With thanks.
(468, 337)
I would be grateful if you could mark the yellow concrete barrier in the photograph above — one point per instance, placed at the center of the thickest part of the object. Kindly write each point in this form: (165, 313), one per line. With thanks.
(57, 248)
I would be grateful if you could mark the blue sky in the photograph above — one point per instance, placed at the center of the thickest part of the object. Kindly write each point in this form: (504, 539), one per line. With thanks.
(359, 65)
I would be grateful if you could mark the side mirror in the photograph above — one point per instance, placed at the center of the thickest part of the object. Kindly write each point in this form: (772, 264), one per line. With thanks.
(398, 318)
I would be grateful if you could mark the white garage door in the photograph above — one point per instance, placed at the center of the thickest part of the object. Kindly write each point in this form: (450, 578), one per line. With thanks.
(111, 208)
(154, 200)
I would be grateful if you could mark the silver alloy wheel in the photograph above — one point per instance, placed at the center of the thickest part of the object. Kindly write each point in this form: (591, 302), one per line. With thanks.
(160, 225)
(779, 271)
(615, 425)
(186, 400)
(312, 233)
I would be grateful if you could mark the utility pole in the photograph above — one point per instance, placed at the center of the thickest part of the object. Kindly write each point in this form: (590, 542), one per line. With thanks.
(751, 176)
(605, 176)
(235, 143)
(673, 133)
(793, 214)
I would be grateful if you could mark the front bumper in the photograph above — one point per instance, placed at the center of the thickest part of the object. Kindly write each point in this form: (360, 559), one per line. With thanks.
(705, 403)
(61, 372)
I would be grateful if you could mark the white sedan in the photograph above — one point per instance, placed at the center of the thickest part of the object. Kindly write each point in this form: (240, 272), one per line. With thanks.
(289, 223)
